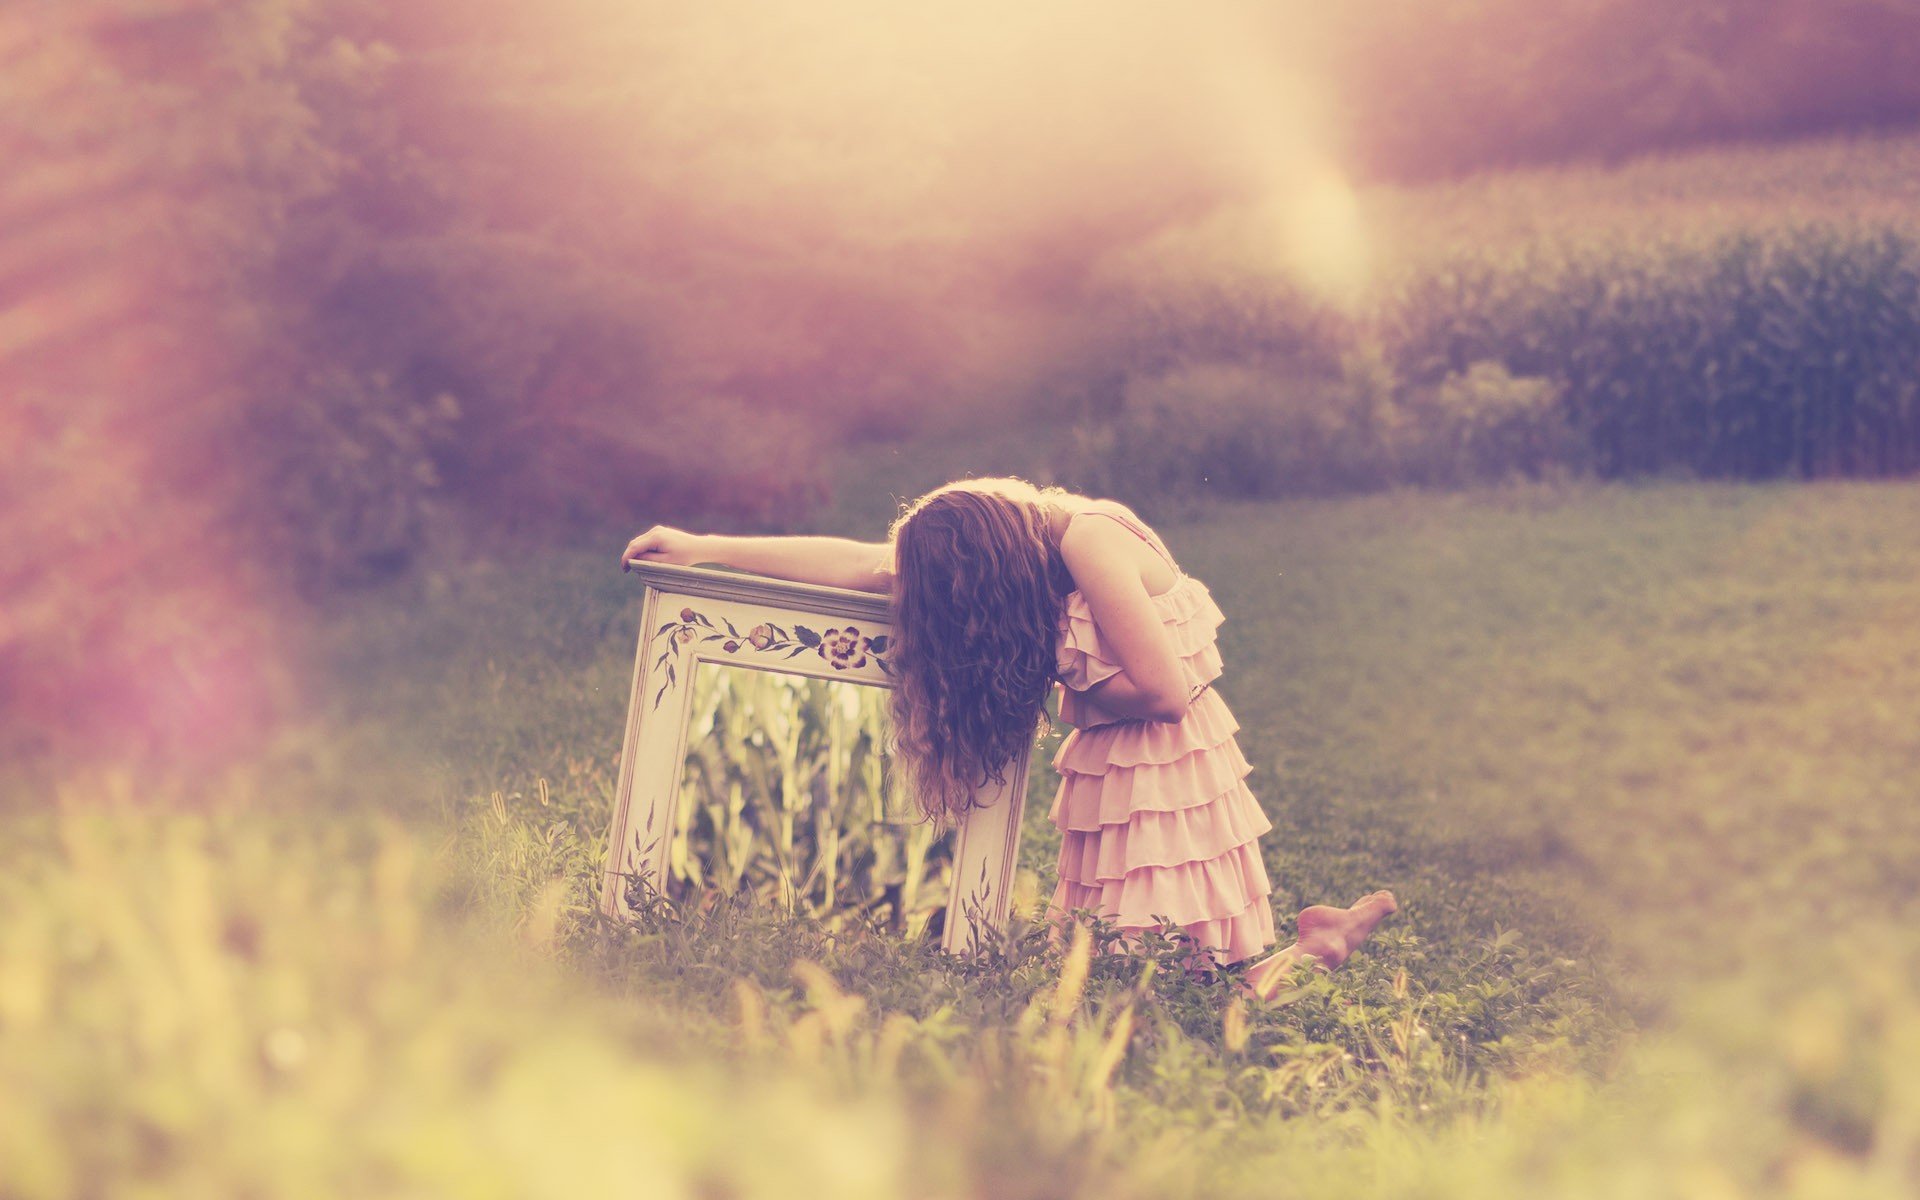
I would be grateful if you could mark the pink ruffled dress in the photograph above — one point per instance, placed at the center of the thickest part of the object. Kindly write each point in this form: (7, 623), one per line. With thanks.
(1156, 818)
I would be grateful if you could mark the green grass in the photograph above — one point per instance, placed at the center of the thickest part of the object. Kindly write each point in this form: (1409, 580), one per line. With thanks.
(1676, 715)
(1638, 761)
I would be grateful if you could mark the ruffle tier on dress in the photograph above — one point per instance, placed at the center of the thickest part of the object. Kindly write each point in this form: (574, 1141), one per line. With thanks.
(1156, 818)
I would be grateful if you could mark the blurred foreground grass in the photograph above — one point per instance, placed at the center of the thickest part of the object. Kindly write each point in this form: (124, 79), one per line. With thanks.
(1630, 758)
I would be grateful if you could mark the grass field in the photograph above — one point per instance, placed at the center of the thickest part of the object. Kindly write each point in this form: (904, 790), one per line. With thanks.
(1640, 763)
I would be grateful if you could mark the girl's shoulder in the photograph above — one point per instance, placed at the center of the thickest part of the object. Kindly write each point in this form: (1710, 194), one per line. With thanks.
(1125, 516)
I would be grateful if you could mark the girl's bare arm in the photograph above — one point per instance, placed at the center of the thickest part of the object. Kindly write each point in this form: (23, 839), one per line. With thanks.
(1151, 686)
(828, 561)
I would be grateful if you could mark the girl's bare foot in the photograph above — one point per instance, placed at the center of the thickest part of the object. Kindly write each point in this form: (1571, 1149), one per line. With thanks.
(1330, 934)
(1327, 936)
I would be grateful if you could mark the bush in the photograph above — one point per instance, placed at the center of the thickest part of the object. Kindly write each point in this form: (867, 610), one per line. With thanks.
(350, 473)
(1228, 429)
(1485, 425)
(1153, 325)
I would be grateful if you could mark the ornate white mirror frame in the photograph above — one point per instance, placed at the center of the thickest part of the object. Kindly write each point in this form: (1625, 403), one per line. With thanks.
(692, 615)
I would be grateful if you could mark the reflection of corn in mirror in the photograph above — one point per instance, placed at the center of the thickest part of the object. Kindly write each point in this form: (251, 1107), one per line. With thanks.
(754, 765)
(787, 792)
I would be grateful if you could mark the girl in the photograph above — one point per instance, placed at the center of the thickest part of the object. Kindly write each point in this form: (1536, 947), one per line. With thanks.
(1002, 589)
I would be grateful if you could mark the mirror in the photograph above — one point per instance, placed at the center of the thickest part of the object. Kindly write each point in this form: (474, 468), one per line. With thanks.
(754, 759)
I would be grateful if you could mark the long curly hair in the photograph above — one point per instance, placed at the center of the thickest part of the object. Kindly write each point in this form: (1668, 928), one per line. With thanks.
(979, 592)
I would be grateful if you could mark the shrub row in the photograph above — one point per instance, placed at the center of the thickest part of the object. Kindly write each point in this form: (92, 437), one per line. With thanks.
(1793, 352)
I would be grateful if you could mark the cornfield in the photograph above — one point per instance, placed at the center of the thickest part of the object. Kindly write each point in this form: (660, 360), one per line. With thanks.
(787, 792)
(1746, 355)
(1788, 352)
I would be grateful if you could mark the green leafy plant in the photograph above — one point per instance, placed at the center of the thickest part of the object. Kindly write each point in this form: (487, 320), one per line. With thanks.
(787, 792)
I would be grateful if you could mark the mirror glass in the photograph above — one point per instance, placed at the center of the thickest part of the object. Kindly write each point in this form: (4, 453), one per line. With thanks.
(787, 791)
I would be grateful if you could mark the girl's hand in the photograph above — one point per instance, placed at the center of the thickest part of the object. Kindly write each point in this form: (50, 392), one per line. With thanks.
(1095, 713)
(664, 543)
(1118, 697)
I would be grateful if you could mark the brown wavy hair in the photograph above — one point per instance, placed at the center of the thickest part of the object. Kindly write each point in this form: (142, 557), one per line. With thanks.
(979, 592)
